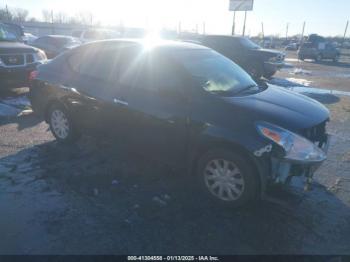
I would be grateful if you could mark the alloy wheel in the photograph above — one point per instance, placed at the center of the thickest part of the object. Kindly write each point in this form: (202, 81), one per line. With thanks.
(59, 123)
(224, 179)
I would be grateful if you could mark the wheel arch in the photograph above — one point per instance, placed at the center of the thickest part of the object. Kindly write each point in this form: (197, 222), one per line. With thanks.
(260, 168)
(49, 104)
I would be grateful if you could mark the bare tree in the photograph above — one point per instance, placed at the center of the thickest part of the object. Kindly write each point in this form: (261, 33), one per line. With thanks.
(32, 19)
(46, 15)
(20, 15)
(60, 17)
(5, 15)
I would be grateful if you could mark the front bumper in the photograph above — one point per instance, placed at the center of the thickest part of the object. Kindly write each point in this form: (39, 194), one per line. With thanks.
(14, 77)
(283, 170)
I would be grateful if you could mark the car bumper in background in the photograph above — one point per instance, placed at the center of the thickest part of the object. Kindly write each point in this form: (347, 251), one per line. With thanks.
(15, 76)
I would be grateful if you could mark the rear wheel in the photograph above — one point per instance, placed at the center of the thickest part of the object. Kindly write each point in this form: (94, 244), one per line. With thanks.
(336, 58)
(227, 177)
(255, 71)
(269, 75)
(61, 124)
(318, 58)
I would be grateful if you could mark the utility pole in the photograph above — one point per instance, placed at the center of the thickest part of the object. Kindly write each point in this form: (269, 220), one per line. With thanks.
(302, 33)
(346, 29)
(52, 26)
(7, 13)
(234, 23)
(287, 31)
(203, 28)
(245, 20)
(262, 30)
(179, 27)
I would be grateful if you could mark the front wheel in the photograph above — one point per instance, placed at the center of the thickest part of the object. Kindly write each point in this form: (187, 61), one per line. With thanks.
(227, 177)
(336, 58)
(61, 124)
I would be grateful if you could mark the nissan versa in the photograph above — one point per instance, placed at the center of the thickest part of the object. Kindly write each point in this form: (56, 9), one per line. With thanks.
(188, 106)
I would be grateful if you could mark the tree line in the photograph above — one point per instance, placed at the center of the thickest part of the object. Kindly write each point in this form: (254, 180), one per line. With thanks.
(20, 15)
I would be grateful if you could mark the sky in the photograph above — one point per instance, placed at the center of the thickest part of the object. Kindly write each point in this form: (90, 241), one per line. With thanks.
(325, 17)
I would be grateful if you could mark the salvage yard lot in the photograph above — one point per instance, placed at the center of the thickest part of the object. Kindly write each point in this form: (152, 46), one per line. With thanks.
(95, 198)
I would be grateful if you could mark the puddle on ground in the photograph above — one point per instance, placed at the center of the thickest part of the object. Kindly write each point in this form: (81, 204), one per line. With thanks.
(303, 86)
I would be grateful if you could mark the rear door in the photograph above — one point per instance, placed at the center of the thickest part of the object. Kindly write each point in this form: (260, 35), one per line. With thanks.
(95, 79)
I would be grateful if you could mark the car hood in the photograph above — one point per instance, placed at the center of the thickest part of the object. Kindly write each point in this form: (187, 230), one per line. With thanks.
(16, 47)
(281, 107)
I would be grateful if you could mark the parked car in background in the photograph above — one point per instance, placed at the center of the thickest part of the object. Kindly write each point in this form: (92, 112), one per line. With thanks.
(29, 38)
(268, 43)
(53, 45)
(188, 106)
(17, 60)
(292, 46)
(97, 34)
(318, 51)
(255, 60)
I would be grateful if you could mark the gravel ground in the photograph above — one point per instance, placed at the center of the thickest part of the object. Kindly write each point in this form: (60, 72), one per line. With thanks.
(95, 198)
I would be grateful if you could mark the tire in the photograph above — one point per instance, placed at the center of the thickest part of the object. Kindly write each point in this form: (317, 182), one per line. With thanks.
(318, 58)
(255, 71)
(336, 58)
(268, 76)
(61, 124)
(237, 188)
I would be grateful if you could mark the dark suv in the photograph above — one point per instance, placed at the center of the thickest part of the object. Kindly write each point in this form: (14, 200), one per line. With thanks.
(314, 51)
(17, 60)
(255, 60)
(188, 106)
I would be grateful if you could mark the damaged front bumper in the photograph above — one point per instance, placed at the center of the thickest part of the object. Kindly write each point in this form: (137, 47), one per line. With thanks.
(283, 170)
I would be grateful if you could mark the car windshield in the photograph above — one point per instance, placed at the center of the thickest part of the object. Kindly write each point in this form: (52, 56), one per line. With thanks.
(214, 72)
(8, 33)
(249, 43)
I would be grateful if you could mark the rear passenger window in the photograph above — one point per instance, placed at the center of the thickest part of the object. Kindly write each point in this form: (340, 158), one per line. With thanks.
(150, 72)
(97, 64)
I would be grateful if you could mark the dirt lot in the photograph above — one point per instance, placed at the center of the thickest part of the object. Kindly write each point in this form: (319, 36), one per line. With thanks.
(94, 198)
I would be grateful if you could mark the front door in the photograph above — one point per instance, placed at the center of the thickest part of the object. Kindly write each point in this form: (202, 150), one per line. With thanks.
(158, 109)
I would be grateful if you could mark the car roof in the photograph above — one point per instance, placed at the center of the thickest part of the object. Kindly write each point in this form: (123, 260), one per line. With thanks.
(159, 44)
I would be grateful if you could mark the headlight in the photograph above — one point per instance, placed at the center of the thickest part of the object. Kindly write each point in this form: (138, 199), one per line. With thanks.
(297, 148)
(40, 56)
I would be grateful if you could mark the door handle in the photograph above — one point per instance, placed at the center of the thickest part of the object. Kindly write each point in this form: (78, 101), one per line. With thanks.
(120, 102)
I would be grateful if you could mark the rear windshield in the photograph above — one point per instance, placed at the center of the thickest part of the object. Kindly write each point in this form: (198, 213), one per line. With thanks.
(214, 72)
